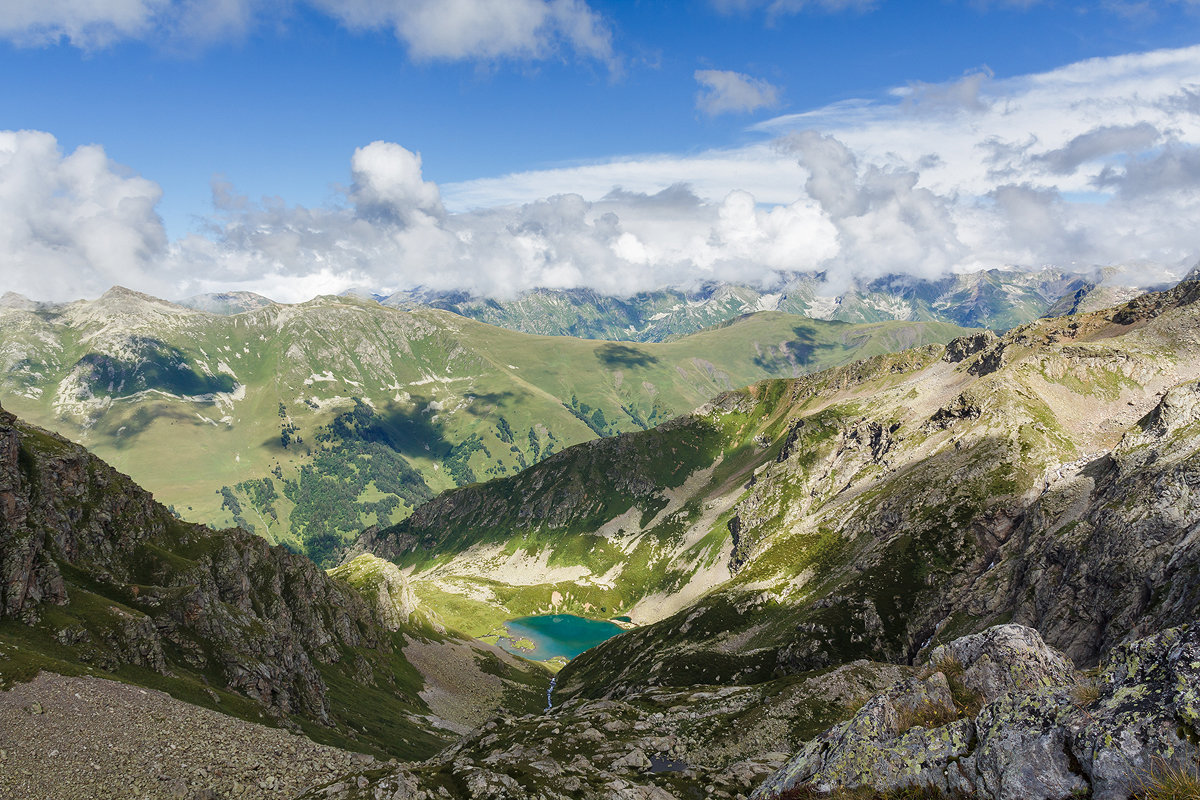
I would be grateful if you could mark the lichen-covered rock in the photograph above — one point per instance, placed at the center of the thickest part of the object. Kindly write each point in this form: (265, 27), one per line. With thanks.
(1021, 749)
(1149, 707)
(881, 745)
(1005, 659)
(1039, 737)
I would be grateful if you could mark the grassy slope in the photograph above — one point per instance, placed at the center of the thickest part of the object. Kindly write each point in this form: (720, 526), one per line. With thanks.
(434, 380)
(373, 691)
(864, 547)
(638, 517)
(875, 493)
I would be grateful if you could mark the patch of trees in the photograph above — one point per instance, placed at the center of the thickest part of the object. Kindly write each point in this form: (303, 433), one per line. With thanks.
(356, 450)
(229, 501)
(458, 462)
(592, 417)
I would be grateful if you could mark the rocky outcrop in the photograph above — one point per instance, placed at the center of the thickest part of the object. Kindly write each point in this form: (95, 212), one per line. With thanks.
(141, 582)
(714, 741)
(964, 347)
(1043, 732)
(384, 587)
(1125, 560)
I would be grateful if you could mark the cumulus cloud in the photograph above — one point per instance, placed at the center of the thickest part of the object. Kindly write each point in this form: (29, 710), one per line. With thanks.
(884, 221)
(96, 24)
(430, 29)
(1094, 163)
(779, 7)
(388, 184)
(1098, 143)
(83, 23)
(725, 91)
(394, 235)
(457, 29)
(75, 222)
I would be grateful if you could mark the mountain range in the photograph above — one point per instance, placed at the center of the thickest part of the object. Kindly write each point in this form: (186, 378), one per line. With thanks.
(307, 423)
(940, 563)
(998, 299)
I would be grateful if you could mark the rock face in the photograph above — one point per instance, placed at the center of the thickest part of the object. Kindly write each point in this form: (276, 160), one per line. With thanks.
(384, 587)
(225, 603)
(903, 502)
(1126, 561)
(1042, 732)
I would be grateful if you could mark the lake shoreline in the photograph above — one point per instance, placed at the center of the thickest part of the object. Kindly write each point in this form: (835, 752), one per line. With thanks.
(552, 637)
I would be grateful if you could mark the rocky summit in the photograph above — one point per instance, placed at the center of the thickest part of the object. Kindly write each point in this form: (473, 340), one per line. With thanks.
(961, 570)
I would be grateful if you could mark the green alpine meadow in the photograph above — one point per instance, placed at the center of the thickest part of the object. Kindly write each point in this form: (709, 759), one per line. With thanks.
(599, 400)
(837, 579)
(307, 423)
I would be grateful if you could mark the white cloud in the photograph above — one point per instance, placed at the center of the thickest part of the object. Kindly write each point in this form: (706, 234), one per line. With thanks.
(96, 24)
(75, 224)
(1098, 143)
(1094, 163)
(458, 29)
(84, 23)
(388, 184)
(725, 91)
(430, 29)
(885, 223)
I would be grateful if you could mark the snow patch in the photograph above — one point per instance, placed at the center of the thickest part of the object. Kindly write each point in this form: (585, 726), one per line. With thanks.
(324, 377)
(768, 302)
(822, 307)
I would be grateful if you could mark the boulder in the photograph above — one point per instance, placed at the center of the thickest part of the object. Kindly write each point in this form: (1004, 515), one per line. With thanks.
(1041, 734)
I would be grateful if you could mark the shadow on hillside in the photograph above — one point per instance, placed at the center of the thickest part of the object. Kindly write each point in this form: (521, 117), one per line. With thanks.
(413, 432)
(484, 403)
(154, 365)
(792, 356)
(617, 356)
(126, 430)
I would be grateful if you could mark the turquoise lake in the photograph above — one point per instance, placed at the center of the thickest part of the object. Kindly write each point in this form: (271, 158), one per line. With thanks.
(553, 635)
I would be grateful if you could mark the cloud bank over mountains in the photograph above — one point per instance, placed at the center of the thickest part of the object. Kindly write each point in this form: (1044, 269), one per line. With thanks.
(1094, 163)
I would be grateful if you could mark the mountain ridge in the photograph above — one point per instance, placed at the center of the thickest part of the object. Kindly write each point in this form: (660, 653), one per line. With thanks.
(832, 575)
(995, 298)
(309, 422)
(99, 579)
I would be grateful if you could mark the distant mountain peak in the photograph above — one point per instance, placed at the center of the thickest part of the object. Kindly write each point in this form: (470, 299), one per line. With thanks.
(18, 301)
(227, 303)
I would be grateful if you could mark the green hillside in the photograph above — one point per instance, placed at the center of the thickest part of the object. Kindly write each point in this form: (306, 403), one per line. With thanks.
(308, 423)
(861, 512)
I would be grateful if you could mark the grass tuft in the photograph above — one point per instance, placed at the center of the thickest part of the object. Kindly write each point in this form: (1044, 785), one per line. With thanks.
(1085, 693)
(1170, 780)
(916, 792)
(967, 701)
(929, 714)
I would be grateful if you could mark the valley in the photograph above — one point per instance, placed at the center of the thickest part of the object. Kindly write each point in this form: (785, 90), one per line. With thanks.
(307, 423)
(857, 565)
(582, 400)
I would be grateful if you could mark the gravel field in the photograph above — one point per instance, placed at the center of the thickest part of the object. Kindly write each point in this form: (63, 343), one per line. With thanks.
(67, 738)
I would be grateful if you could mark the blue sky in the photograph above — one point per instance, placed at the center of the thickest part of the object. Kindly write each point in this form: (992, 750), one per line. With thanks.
(276, 97)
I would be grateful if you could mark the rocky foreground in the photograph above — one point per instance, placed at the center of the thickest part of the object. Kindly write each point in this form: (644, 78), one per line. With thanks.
(65, 738)
(996, 715)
